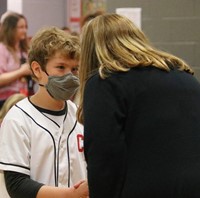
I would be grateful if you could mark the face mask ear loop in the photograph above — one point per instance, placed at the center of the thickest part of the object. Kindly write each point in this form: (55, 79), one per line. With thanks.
(46, 89)
(46, 72)
(47, 75)
(49, 93)
(41, 85)
(45, 85)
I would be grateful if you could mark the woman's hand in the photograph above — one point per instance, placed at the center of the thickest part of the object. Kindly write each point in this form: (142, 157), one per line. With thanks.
(81, 189)
(25, 69)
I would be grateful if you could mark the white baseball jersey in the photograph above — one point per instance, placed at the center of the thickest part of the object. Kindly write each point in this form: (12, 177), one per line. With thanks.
(35, 145)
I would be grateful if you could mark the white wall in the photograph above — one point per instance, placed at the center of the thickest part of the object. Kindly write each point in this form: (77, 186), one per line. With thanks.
(15, 5)
(3, 6)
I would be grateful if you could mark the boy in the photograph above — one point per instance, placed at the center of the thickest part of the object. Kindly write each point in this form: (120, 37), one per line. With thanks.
(41, 150)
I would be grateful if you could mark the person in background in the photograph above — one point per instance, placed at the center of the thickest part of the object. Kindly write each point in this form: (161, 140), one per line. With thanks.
(75, 97)
(10, 101)
(41, 142)
(85, 19)
(66, 29)
(140, 110)
(13, 56)
(5, 14)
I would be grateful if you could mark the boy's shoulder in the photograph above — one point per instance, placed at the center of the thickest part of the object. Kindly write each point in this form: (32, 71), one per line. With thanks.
(72, 108)
(24, 103)
(16, 112)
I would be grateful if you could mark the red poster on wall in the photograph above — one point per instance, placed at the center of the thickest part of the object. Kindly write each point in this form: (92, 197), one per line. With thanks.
(77, 9)
(74, 14)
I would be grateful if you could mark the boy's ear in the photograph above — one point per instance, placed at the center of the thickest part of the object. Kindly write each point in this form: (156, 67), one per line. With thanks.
(35, 66)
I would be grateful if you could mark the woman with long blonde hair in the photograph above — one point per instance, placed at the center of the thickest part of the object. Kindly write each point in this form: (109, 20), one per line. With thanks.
(140, 110)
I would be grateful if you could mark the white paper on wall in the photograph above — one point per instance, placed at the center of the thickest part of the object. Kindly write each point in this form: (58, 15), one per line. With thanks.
(15, 5)
(134, 14)
(74, 14)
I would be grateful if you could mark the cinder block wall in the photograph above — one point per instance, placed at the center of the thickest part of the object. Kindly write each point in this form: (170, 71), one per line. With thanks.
(3, 6)
(171, 25)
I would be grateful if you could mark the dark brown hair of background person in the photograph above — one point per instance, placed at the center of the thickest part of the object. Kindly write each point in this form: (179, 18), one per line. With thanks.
(90, 16)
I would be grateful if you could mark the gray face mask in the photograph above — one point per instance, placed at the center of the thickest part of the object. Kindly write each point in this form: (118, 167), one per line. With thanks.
(62, 87)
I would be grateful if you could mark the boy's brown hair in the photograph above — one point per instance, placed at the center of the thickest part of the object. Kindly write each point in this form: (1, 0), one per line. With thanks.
(50, 40)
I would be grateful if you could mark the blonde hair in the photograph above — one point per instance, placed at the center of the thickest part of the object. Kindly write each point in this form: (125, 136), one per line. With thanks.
(10, 101)
(111, 43)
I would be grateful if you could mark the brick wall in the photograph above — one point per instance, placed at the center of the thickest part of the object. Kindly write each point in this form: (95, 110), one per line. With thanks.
(171, 25)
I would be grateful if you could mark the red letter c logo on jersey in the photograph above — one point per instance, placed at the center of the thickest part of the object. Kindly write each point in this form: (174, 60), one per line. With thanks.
(80, 142)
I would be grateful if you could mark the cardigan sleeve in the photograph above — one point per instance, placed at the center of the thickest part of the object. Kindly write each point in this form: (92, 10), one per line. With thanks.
(104, 138)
